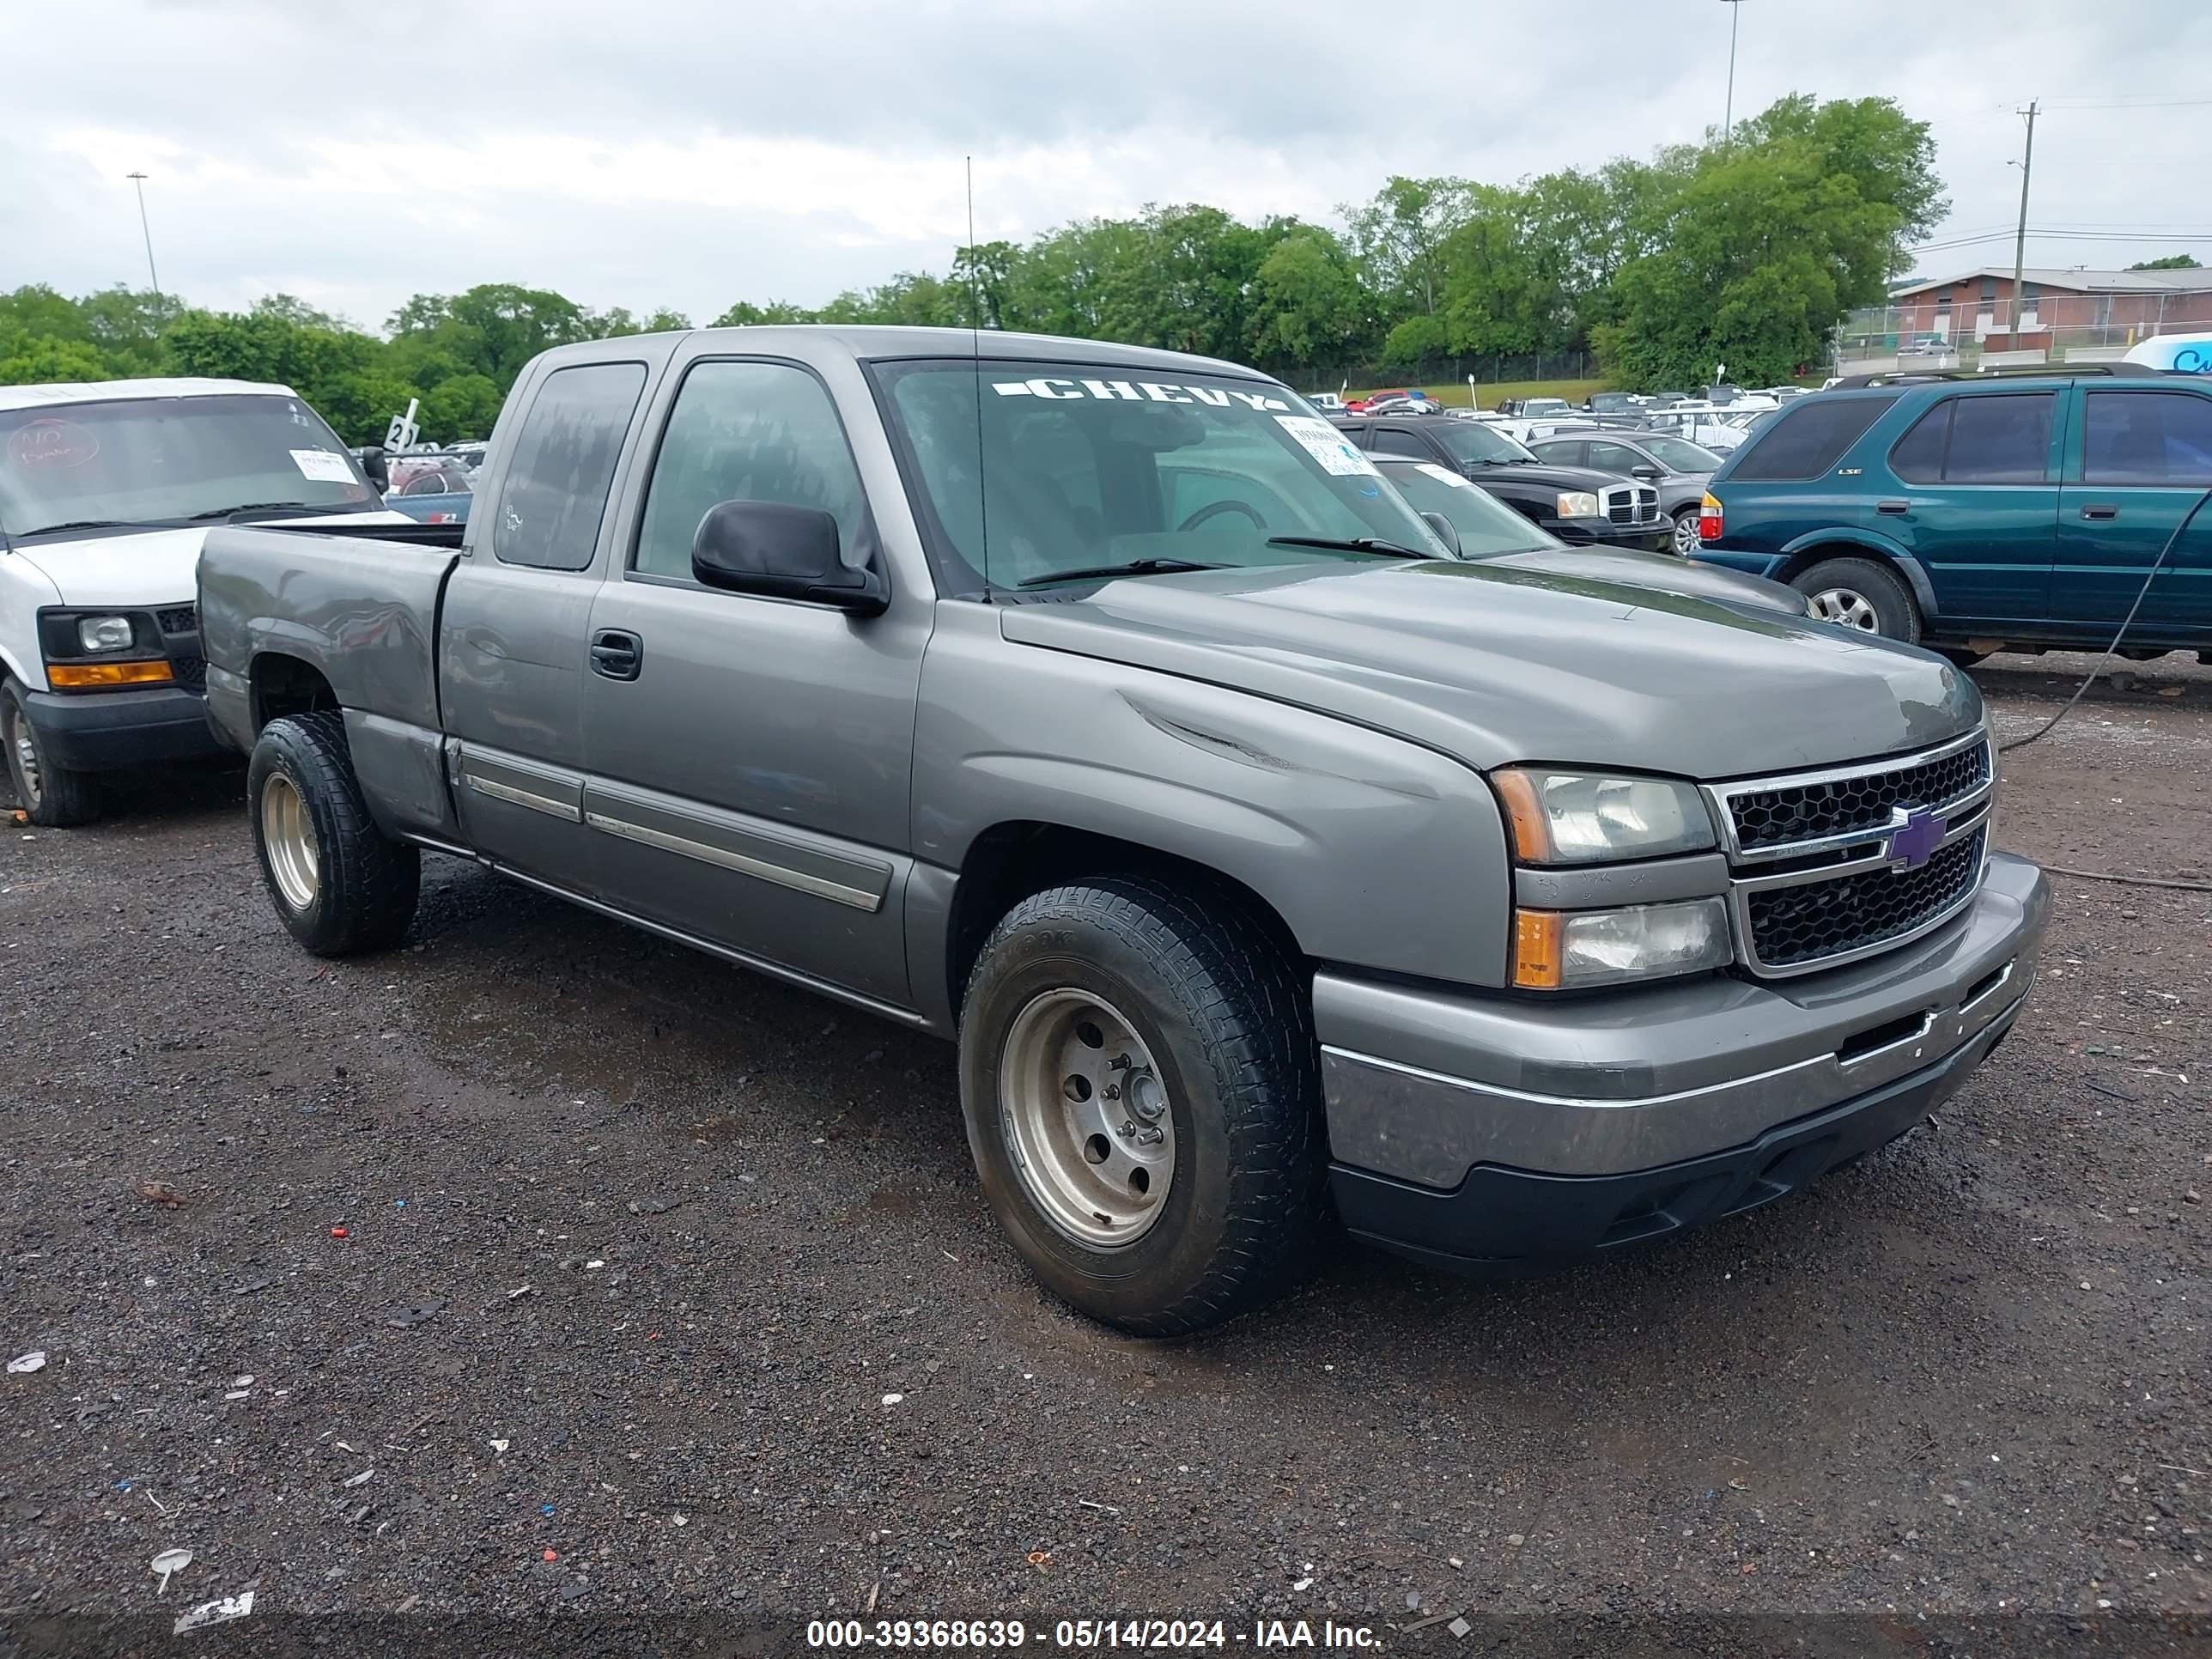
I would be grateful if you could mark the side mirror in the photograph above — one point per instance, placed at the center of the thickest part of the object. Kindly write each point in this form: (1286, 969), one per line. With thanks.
(782, 552)
(374, 463)
(1446, 532)
(1648, 472)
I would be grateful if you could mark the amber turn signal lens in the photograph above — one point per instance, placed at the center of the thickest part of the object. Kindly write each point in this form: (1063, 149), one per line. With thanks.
(98, 676)
(1531, 844)
(1537, 936)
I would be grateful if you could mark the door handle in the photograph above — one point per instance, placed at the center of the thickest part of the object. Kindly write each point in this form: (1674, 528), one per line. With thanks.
(1896, 510)
(617, 654)
(2100, 510)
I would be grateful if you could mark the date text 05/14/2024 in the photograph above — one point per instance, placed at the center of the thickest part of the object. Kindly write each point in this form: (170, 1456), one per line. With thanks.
(1088, 1634)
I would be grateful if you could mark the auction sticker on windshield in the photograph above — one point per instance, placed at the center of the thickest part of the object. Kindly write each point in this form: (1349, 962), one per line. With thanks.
(1335, 451)
(323, 466)
(1444, 475)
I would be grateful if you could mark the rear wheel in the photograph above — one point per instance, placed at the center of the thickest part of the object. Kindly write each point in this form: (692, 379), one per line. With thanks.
(1141, 1085)
(1686, 531)
(53, 796)
(339, 883)
(1862, 594)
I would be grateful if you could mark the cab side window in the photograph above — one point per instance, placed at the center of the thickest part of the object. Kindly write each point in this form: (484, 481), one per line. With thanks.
(557, 485)
(745, 432)
(1981, 440)
(2148, 438)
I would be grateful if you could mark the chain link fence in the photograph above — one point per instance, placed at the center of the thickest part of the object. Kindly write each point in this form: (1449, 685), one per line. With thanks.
(2053, 328)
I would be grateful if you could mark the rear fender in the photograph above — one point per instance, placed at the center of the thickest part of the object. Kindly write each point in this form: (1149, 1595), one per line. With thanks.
(1825, 541)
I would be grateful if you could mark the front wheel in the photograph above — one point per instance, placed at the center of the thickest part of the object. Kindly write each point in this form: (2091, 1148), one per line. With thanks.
(54, 796)
(339, 883)
(1861, 594)
(1141, 1086)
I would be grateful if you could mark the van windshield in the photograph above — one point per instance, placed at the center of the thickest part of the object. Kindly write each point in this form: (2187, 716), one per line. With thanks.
(1074, 468)
(169, 460)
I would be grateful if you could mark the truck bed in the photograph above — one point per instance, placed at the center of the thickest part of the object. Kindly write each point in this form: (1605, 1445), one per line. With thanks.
(357, 606)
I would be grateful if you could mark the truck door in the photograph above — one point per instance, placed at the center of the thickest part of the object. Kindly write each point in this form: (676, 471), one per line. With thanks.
(2145, 456)
(749, 758)
(1973, 494)
(511, 649)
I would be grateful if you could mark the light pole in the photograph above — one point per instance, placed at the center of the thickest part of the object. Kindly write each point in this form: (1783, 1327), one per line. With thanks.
(1736, 15)
(139, 179)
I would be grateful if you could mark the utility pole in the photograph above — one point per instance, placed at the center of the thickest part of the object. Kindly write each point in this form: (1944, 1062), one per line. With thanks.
(1735, 16)
(2019, 241)
(152, 275)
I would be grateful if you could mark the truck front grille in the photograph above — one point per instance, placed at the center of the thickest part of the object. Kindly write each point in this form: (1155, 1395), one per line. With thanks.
(191, 672)
(1631, 504)
(1828, 866)
(179, 619)
(1791, 926)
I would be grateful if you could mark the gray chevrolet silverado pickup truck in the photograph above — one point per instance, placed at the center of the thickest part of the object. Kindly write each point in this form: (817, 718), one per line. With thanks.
(1103, 710)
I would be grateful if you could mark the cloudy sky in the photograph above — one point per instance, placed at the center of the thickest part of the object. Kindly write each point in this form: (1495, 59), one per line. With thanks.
(689, 153)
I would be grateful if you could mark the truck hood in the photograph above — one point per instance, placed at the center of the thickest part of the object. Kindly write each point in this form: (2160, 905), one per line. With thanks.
(1495, 663)
(1542, 475)
(143, 566)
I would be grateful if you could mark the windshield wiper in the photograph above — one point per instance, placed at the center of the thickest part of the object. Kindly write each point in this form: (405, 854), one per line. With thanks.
(88, 524)
(1133, 567)
(253, 506)
(1352, 545)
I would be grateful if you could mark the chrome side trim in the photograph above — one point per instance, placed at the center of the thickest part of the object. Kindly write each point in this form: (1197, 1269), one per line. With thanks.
(782, 876)
(564, 810)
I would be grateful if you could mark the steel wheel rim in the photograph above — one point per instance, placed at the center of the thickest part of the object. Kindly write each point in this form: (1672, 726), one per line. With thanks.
(24, 753)
(1685, 534)
(288, 837)
(1848, 606)
(1087, 1118)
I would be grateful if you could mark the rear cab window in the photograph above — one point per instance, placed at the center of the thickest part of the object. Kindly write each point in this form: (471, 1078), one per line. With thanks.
(555, 493)
(1806, 439)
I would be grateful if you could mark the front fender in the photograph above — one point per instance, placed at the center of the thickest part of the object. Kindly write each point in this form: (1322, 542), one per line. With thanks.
(1375, 852)
(1923, 589)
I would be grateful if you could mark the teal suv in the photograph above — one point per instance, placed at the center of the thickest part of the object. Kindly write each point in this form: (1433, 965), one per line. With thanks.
(1982, 514)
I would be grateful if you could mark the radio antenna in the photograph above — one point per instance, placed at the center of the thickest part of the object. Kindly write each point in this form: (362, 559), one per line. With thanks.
(976, 347)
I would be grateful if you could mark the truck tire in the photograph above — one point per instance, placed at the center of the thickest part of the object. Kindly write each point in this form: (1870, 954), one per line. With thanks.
(53, 797)
(1141, 1084)
(1861, 594)
(339, 883)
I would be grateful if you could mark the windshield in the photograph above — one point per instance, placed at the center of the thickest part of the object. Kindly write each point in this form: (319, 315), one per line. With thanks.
(1079, 472)
(1679, 453)
(1487, 526)
(162, 461)
(1472, 440)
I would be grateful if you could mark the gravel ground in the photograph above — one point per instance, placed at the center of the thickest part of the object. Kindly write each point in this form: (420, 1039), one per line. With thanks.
(665, 1290)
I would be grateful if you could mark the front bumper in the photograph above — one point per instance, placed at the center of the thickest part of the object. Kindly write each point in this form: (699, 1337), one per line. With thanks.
(111, 731)
(1488, 1130)
(1657, 536)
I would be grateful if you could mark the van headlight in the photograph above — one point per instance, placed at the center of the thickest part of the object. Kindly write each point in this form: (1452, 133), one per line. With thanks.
(97, 634)
(1583, 817)
(1570, 950)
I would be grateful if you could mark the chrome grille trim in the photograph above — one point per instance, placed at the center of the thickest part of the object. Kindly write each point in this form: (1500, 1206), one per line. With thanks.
(1722, 797)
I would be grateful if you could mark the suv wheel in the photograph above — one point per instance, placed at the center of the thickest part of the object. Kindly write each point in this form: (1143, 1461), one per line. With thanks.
(1861, 594)
(52, 797)
(1686, 531)
(1141, 1085)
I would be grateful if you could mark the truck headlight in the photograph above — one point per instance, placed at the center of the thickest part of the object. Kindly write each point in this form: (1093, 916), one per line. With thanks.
(1577, 504)
(1581, 818)
(106, 632)
(1569, 950)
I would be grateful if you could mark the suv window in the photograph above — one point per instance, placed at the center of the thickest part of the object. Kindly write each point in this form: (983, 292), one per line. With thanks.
(1614, 458)
(745, 432)
(555, 491)
(2148, 438)
(1559, 451)
(1985, 439)
(1396, 440)
(1810, 437)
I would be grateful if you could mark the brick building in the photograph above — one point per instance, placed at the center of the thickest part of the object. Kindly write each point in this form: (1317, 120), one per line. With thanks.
(2122, 306)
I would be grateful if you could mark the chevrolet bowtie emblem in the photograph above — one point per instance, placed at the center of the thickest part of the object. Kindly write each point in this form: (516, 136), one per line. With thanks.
(1914, 839)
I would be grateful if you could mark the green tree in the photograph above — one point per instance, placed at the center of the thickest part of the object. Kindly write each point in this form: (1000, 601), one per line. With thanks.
(1398, 238)
(460, 408)
(746, 314)
(2170, 262)
(44, 360)
(1308, 305)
